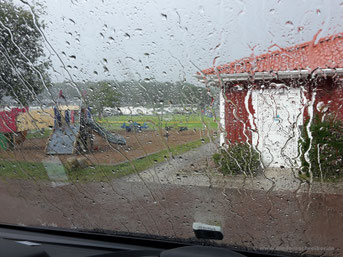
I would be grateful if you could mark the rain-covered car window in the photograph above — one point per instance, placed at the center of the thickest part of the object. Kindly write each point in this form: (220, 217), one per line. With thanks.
(165, 118)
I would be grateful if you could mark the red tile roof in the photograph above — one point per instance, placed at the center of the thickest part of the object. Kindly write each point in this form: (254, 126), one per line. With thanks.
(326, 53)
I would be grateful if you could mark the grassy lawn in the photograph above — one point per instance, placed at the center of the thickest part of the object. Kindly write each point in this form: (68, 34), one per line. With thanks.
(22, 170)
(161, 121)
(192, 121)
(31, 170)
(39, 134)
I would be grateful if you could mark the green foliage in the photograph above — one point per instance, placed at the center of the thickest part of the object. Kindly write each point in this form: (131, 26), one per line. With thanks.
(157, 93)
(101, 96)
(141, 93)
(22, 68)
(236, 159)
(325, 153)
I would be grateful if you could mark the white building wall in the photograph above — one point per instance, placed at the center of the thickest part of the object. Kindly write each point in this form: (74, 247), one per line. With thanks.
(222, 117)
(278, 115)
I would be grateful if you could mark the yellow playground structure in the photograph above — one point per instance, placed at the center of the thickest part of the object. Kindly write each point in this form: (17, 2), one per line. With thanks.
(72, 128)
(41, 118)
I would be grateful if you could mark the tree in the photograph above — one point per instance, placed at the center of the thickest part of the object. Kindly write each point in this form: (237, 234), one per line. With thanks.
(101, 96)
(23, 72)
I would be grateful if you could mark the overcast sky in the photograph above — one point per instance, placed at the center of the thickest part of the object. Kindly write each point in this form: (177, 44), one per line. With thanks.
(161, 39)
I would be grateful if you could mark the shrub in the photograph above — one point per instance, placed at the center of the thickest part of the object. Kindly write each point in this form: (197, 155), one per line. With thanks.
(238, 158)
(325, 153)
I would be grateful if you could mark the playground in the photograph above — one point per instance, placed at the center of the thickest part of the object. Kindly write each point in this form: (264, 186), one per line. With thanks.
(88, 147)
(138, 145)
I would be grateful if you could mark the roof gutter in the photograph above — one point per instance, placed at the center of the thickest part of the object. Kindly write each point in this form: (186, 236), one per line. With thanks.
(327, 72)
(295, 74)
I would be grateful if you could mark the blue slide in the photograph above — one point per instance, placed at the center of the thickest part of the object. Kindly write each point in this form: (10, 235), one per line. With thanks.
(112, 138)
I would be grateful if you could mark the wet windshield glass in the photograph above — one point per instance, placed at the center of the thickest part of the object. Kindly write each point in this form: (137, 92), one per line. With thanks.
(172, 118)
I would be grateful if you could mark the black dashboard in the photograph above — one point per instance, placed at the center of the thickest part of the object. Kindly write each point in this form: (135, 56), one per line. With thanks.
(20, 241)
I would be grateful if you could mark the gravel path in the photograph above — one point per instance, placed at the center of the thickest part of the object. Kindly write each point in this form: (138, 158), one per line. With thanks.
(172, 171)
(196, 168)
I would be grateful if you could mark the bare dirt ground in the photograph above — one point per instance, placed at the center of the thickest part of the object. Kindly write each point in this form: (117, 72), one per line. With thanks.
(274, 220)
(138, 145)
